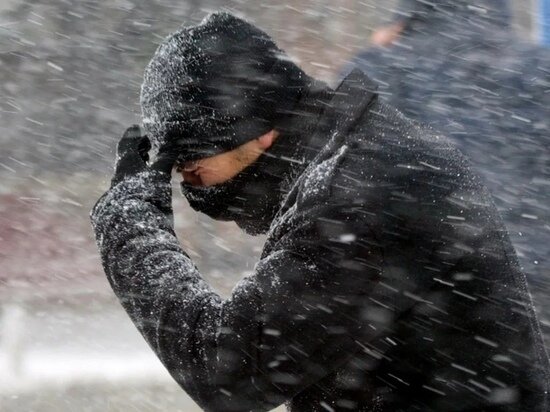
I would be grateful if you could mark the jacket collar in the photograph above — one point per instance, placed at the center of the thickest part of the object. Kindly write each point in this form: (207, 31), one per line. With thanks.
(349, 102)
(351, 99)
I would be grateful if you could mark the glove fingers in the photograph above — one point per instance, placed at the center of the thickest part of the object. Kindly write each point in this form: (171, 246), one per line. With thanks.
(129, 163)
(144, 147)
(131, 154)
(126, 167)
(130, 141)
(167, 157)
(165, 162)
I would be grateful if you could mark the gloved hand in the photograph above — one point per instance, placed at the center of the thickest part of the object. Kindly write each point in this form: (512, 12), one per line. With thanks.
(133, 155)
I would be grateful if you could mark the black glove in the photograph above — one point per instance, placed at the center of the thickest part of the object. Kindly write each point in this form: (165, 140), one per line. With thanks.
(133, 155)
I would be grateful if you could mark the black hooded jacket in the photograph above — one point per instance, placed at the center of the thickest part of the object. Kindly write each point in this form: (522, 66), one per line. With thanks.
(460, 68)
(387, 282)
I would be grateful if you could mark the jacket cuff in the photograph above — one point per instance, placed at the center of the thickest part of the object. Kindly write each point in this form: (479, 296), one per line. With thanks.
(149, 186)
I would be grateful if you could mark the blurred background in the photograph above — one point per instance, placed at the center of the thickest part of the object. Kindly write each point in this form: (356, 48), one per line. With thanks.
(70, 73)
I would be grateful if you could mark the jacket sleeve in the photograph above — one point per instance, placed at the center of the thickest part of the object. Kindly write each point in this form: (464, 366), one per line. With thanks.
(283, 328)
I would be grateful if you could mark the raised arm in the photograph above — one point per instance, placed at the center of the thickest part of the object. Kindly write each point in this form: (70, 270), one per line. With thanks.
(284, 328)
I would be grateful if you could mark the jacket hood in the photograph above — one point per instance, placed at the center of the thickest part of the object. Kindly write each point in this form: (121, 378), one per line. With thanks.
(217, 85)
(455, 16)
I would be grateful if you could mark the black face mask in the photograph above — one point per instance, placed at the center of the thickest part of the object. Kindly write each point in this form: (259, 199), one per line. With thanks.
(251, 199)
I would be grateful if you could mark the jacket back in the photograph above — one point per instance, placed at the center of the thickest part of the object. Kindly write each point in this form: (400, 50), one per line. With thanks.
(449, 322)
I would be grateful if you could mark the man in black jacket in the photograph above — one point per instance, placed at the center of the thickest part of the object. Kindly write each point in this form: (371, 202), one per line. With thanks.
(387, 281)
